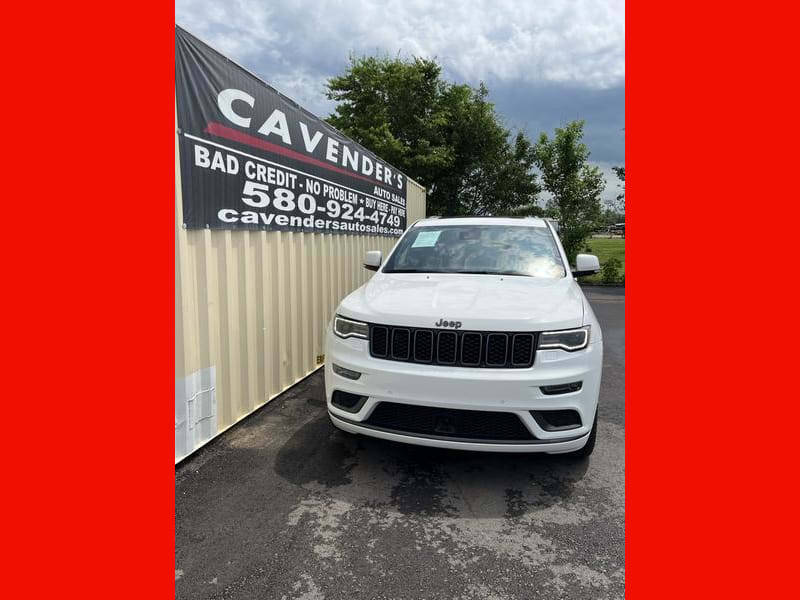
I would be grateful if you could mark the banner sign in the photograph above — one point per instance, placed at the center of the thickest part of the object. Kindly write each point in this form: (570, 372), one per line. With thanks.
(250, 158)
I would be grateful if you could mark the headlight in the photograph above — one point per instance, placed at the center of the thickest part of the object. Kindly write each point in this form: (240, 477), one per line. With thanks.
(567, 339)
(346, 328)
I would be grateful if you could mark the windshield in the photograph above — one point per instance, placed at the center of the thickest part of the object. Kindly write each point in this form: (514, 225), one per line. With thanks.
(479, 249)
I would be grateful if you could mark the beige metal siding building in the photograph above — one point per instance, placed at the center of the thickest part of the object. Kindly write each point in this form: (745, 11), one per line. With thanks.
(250, 311)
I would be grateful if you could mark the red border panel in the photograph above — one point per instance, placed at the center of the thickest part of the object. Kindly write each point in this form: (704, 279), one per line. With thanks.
(87, 245)
(711, 402)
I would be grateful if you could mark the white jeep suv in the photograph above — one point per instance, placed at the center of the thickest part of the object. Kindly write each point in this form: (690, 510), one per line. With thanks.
(472, 334)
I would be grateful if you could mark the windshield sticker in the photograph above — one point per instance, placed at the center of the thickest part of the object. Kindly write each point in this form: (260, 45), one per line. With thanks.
(426, 239)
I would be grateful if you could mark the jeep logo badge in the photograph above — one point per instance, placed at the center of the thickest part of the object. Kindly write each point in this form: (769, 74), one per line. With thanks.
(443, 323)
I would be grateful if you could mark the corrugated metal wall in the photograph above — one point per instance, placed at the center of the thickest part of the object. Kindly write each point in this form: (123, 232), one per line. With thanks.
(250, 311)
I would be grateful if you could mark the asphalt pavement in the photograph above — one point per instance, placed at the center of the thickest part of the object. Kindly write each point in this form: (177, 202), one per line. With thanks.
(285, 506)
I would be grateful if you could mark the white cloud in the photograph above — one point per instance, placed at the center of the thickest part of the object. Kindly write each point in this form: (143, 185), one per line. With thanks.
(546, 61)
(577, 42)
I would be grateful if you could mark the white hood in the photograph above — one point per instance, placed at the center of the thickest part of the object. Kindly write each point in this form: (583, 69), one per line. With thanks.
(480, 302)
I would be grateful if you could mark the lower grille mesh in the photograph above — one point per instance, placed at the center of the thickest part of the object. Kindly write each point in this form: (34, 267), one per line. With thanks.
(449, 422)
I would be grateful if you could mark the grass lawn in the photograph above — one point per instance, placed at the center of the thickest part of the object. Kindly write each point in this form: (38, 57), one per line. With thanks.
(605, 248)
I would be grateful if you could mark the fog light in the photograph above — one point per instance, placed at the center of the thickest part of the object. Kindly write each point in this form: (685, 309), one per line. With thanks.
(561, 388)
(347, 401)
(345, 372)
(557, 420)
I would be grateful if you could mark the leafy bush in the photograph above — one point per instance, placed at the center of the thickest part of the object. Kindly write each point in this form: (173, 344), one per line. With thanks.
(610, 270)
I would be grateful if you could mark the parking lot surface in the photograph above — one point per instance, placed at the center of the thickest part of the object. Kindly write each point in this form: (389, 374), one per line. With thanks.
(285, 506)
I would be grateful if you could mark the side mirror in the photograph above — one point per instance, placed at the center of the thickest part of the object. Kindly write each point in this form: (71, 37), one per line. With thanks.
(586, 264)
(373, 258)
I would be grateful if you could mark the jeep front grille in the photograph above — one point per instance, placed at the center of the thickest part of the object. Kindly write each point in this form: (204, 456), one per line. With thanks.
(487, 349)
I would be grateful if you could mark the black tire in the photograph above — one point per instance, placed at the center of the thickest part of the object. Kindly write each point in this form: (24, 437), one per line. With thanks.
(589, 447)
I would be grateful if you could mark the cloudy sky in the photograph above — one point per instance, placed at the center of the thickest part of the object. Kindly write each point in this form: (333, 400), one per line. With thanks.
(546, 62)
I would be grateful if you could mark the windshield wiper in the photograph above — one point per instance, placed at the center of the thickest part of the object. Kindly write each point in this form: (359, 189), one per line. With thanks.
(492, 273)
(458, 272)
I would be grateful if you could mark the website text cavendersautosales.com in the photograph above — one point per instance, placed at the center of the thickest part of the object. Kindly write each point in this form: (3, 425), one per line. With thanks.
(229, 215)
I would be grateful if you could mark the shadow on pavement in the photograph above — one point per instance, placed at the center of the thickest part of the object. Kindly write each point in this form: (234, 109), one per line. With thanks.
(418, 478)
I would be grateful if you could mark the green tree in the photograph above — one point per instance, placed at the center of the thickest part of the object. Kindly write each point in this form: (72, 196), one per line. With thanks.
(446, 136)
(574, 185)
(619, 205)
(610, 216)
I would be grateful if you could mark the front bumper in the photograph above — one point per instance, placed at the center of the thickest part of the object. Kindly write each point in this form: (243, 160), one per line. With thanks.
(505, 390)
